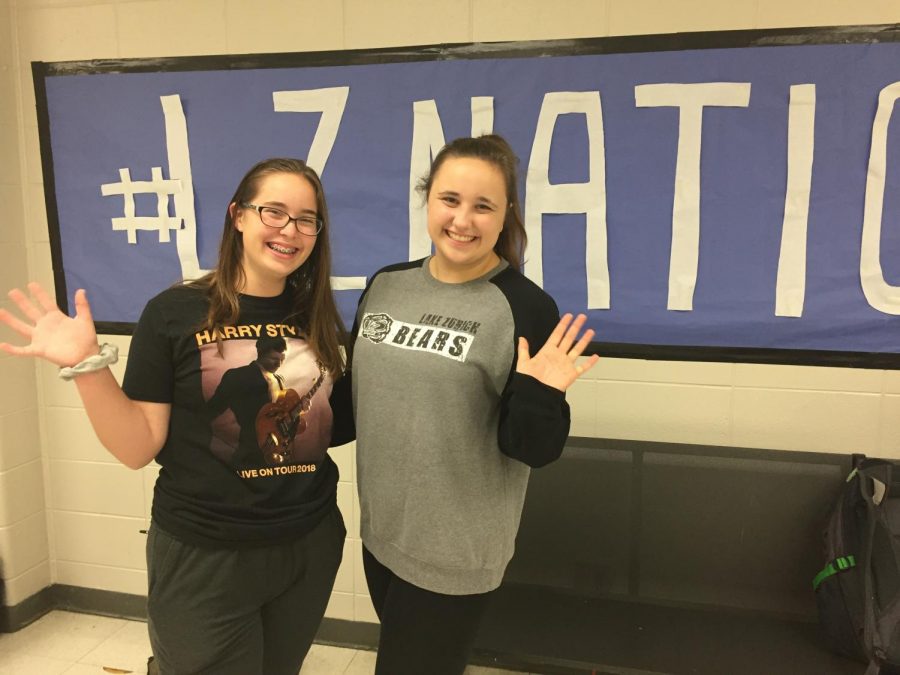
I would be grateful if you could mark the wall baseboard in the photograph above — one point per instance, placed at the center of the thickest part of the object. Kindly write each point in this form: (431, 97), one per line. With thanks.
(72, 599)
(334, 632)
(337, 632)
(350, 634)
(96, 601)
(532, 630)
(29, 610)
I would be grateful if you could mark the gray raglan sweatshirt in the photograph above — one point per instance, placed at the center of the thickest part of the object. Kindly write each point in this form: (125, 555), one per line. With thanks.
(446, 429)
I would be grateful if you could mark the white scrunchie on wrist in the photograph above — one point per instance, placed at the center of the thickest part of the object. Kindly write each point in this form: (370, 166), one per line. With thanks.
(108, 354)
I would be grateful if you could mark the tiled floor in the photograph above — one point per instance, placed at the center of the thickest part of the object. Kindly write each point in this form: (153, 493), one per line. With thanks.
(84, 644)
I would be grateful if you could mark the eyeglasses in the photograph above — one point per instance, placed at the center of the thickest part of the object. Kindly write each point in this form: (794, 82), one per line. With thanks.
(272, 217)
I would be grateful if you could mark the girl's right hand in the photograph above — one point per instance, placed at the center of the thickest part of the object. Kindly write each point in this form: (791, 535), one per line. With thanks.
(54, 336)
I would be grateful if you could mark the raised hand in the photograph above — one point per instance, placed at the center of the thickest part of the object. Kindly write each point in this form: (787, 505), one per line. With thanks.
(54, 336)
(554, 364)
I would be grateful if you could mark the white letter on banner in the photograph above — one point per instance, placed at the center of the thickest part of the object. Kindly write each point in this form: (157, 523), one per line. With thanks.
(691, 99)
(427, 141)
(180, 169)
(482, 115)
(881, 295)
(331, 103)
(790, 289)
(588, 198)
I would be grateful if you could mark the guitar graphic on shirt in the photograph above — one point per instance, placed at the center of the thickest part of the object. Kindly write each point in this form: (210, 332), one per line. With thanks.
(279, 422)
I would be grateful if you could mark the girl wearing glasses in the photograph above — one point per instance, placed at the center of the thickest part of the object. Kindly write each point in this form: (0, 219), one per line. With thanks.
(227, 388)
(444, 458)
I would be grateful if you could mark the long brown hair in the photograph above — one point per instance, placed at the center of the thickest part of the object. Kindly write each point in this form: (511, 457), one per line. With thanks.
(312, 302)
(494, 150)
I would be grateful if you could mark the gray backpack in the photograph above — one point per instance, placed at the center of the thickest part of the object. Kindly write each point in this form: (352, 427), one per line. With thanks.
(858, 591)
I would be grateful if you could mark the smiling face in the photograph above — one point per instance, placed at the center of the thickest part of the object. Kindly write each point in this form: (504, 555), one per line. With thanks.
(270, 254)
(466, 209)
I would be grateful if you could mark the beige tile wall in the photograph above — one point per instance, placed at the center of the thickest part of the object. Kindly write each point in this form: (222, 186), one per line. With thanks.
(69, 513)
(24, 543)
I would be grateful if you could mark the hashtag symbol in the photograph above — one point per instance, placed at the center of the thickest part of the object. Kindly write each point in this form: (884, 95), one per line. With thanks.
(163, 189)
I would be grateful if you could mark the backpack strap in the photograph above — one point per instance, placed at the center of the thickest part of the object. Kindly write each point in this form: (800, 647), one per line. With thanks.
(874, 483)
(837, 565)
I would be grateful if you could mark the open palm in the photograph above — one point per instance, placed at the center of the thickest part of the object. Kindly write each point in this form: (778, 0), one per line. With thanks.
(555, 362)
(60, 339)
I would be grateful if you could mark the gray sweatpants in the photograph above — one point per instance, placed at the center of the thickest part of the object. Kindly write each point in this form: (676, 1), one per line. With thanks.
(239, 612)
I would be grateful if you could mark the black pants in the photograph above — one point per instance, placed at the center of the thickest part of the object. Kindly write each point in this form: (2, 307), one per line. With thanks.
(242, 611)
(421, 631)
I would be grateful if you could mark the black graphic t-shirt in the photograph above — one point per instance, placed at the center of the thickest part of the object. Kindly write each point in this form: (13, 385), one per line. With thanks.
(245, 461)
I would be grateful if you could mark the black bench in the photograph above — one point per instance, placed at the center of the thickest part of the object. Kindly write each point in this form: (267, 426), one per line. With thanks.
(647, 558)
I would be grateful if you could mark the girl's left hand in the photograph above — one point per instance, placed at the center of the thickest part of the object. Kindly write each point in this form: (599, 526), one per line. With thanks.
(554, 364)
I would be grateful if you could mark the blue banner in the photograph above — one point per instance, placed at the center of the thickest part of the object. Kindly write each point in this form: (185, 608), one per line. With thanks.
(728, 199)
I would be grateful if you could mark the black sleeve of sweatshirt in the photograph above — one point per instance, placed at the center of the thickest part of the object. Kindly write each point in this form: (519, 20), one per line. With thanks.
(534, 421)
(343, 428)
(343, 424)
(534, 417)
